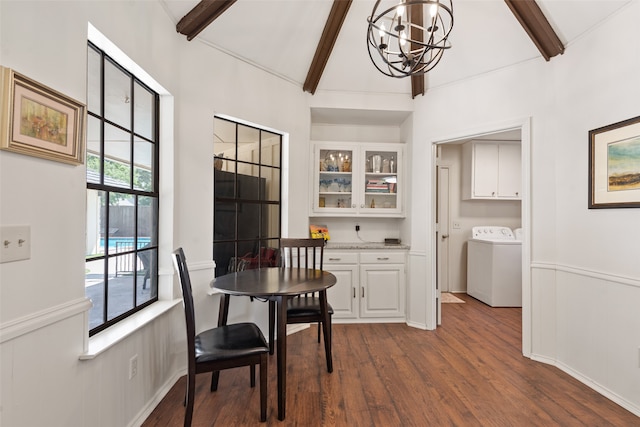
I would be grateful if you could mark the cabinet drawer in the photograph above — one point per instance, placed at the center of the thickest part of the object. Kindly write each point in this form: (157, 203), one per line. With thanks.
(340, 257)
(382, 257)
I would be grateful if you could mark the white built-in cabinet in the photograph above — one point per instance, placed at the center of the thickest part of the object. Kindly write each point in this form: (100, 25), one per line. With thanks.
(357, 180)
(491, 170)
(370, 285)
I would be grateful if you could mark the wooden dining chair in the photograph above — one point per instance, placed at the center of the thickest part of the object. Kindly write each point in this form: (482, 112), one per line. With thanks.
(305, 308)
(220, 348)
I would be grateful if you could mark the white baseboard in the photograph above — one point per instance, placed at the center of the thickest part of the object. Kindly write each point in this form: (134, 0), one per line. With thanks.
(151, 405)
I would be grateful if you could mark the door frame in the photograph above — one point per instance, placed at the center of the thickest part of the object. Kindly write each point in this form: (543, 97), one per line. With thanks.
(524, 125)
(442, 232)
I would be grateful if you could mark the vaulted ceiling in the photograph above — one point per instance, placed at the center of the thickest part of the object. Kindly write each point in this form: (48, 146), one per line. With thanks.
(321, 44)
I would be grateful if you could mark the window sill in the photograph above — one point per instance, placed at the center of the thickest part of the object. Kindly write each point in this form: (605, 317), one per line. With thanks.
(116, 333)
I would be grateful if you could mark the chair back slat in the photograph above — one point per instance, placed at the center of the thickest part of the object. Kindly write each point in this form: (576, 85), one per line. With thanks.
(310, 249)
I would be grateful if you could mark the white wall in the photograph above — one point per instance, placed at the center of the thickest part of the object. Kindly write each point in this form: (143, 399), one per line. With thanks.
(42, 305)
(585, 275)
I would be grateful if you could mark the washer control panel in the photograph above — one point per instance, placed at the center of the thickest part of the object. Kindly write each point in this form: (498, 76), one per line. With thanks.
(492, 232)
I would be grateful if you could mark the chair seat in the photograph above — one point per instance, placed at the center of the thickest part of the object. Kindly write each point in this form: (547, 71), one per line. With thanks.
(230, 342)
(305, 306)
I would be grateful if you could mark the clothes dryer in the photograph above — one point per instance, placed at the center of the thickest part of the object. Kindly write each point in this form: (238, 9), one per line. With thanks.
(494, 266)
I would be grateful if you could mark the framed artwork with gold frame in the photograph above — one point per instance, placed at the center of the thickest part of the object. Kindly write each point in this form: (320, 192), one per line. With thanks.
(39, 121)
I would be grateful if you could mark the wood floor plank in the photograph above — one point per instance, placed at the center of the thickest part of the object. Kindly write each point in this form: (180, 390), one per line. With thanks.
(468, 372)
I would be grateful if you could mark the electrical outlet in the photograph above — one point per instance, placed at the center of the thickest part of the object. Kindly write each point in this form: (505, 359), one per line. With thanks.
(133, 366)
(456, 225)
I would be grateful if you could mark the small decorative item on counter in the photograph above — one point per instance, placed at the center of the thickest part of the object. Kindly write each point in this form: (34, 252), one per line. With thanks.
(373, 203)
(319, 232)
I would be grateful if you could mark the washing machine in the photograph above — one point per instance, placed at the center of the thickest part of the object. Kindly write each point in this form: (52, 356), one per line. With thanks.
(494, 266)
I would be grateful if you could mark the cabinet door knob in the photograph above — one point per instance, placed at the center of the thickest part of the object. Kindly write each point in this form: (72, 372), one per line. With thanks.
(354, 292)
(362, 292)
(383, 258)
(335, 259)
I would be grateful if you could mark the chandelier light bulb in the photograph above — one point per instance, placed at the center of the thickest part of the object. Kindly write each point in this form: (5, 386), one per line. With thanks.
(433, 10)
(382, 30)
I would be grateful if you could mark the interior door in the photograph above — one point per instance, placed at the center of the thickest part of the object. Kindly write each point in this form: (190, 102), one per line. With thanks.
(442, 236)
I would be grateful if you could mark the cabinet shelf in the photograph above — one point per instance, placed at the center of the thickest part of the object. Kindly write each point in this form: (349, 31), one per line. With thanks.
(378, 174)
(336, 193)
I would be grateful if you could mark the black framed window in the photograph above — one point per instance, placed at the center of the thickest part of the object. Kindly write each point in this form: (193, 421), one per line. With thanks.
(121, 274)
(247, 195)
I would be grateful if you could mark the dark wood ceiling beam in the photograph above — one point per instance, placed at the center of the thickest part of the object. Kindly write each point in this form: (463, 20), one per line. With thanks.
(537, 26)
(330, 33)
(417, 18)
(201, 16)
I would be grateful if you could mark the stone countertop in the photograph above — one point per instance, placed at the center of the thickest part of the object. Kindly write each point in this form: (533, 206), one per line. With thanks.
(364, 245)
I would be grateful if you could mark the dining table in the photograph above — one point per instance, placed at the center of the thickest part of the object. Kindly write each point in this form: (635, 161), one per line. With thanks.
(277, 284)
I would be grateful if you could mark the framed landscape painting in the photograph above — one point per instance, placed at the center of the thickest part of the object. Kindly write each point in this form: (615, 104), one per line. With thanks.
(39, 121)
(614, 165)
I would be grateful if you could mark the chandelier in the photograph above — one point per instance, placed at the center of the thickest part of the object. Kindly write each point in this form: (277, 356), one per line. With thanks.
(410, 37)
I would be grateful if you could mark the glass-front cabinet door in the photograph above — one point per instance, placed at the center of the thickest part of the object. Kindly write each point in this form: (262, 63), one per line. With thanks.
(363, 180)
(380, 181)
(334, 183)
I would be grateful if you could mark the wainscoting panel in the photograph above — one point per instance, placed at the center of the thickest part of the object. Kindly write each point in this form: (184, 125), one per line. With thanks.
(586, 323)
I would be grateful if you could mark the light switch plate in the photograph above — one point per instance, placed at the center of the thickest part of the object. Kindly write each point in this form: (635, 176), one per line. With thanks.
(15, 243)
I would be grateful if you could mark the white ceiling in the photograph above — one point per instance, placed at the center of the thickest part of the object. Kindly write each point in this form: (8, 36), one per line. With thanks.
(281, 36)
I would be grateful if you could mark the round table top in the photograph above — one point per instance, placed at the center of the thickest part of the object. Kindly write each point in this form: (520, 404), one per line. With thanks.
(274, 281)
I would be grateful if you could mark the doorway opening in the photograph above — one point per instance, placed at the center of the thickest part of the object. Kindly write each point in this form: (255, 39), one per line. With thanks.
(456, 211)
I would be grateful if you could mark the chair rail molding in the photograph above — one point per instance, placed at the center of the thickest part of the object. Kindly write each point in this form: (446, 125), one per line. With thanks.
(601, 275)
(27, 324)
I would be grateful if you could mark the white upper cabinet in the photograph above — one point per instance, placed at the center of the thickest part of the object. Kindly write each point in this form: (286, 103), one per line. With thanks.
(357, 180)
(491, 170)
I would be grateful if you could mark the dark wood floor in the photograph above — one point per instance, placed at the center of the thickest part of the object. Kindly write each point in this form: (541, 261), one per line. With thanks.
(469, 372)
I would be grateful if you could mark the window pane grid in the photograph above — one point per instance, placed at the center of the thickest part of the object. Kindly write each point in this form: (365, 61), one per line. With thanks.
(246, 196)
(122, 202)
